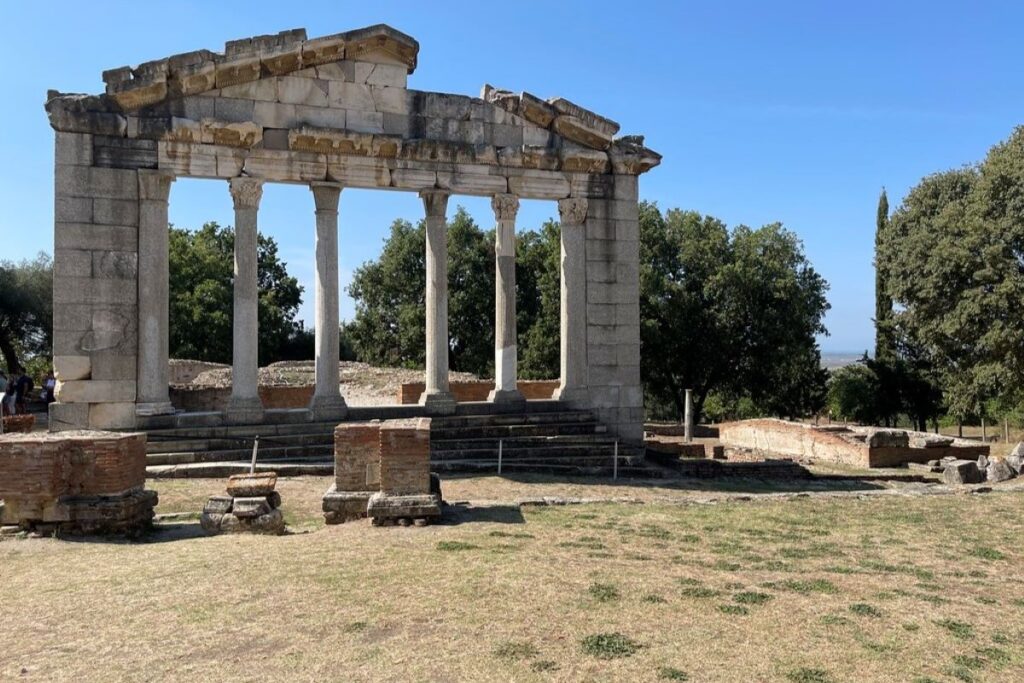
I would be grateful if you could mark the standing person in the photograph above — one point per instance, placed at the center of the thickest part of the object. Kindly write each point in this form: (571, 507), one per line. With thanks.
(49, 386)
(22, 388)
(3, 393)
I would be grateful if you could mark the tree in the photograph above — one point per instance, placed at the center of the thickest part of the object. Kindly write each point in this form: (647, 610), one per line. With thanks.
(26, 310)
(885, 347)
(539, 301)
(956, 258)
(851, 393)
(736, 313)
(202, 298)
(390, 295)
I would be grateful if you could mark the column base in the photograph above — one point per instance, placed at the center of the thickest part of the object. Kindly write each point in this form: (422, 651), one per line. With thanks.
(574, 395)
(244, 410)
(506, 397)
(154, 408)
(332, 407)
(438, 403)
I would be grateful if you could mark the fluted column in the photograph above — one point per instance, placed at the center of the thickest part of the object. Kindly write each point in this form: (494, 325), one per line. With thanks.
(245, 405)
(152, 373)
(505, 207)
(436, 397)
(573, 333)
(327, 402)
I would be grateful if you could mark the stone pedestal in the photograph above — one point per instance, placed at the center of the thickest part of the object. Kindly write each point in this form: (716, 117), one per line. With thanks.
(75, 483)
(250, 506)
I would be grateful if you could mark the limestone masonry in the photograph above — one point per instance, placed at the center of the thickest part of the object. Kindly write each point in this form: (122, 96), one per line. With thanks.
(330, 113)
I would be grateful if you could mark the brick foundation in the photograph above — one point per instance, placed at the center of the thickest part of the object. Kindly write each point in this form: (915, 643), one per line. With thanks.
(78, 481)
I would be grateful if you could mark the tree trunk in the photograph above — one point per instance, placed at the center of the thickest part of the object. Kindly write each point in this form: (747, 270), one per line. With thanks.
(984, 432)
(960, 429)
(9, 352)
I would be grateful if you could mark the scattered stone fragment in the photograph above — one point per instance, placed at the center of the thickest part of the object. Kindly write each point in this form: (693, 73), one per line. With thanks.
(888, 438)
(250, 507)
(1016, 463)
(982, 462)
(247, 485)
(1018, 450)
(931, 441)
(962, 472)
(999, 470)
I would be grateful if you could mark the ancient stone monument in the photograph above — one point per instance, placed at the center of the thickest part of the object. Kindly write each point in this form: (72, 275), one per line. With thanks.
(75, 483)
(251, 505)
(330, 113)
(382, 471)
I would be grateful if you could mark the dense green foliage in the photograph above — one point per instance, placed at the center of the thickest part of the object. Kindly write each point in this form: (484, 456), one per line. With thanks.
(954, 255)
(885, 346)
(390, 294)
(26, 311)
(201, 297)
(729, 314)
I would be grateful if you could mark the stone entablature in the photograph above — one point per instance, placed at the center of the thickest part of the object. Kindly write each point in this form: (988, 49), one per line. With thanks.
(329, 112)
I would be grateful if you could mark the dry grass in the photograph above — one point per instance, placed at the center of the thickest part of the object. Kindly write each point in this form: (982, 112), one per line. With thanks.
(892, 588)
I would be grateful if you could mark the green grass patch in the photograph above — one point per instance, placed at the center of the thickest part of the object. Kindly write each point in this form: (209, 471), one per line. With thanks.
(969, 662)
(995, 655)
(752, 598)
(862, 609)
(803, 675)
(455, 546)
(356, 627)
(669, 673)
(958, 629)
(653, 598)
(543, 665)
(810, 586)
(699, 592)
(609, 646)
(603, 592)
(835, 620)
(516, 651)
(508, 534)
(733, 609)
(986, 553)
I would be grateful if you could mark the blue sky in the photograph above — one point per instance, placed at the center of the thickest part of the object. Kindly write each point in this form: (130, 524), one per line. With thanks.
(796, 112)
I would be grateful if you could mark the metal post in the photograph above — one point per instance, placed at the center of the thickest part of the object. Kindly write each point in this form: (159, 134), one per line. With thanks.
(615, 461)
(501, 443)
(255, 447)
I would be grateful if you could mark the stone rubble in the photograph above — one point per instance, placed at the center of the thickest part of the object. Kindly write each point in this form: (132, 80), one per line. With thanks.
(250, 506)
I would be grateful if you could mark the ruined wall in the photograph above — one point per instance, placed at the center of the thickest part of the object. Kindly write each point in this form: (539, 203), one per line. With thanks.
(39, 472)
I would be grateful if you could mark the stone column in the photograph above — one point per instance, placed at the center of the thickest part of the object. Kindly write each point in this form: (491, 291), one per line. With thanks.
(153, 376)
(436, 397)
(505, 356)
(688, 416)
(573, 332)
(245, 405)
(327, 402)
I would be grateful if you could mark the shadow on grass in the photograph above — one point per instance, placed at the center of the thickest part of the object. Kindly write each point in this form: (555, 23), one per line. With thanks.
(161, 533)
(465, 513)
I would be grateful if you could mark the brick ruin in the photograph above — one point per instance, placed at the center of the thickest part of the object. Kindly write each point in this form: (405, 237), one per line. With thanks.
(75, 483)
(854, 446)
(382, 471)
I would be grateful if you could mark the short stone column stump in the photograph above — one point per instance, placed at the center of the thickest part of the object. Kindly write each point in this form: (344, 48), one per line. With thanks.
(75, 483)
(250, 506)
(382, 471)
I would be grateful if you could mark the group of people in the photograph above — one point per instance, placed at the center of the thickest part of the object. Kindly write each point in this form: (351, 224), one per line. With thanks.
(16, 390)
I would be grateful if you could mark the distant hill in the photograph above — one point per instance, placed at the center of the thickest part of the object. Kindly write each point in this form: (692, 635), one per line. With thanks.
(833, 360)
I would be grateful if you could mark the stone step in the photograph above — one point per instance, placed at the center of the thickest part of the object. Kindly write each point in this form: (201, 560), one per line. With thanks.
(553, 452)
(521, 442)
(227, 455)
(222, 470)
(563, 416)
(174, 445)
(244, 431)
(563, 469)
(517, 430)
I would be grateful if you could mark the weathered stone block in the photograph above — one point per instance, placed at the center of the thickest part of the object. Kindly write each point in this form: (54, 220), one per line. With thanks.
(250, 506)
(95, 391)
(113, 365)
(92, 182)
(390, 100)
(962, 472)
(66, 368)
(72, 263)
(307, 91)
(218, 505)
(251, 485)
(74, 148)
(263, 90)
(232, 110)
(350, 96)
(364, 121)
(72, 210)
(88, 236)
(68, 416)
(112, 415)
(999, 470)
(116, 211)
(118, 265)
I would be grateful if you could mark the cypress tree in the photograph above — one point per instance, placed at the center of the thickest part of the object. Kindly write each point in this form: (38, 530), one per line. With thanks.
(885, 347)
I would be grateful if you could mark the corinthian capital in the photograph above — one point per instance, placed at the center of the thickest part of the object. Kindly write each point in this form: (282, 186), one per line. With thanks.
(572, 211)
(154, 185)
(246, 192)
(505, 206)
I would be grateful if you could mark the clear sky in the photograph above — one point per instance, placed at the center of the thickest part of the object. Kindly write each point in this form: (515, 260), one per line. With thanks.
(796, 112)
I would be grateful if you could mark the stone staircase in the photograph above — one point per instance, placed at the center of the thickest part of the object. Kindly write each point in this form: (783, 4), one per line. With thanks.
(542, 436)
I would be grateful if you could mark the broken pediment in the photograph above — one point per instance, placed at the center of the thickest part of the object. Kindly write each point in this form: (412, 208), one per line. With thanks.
(344, 94)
